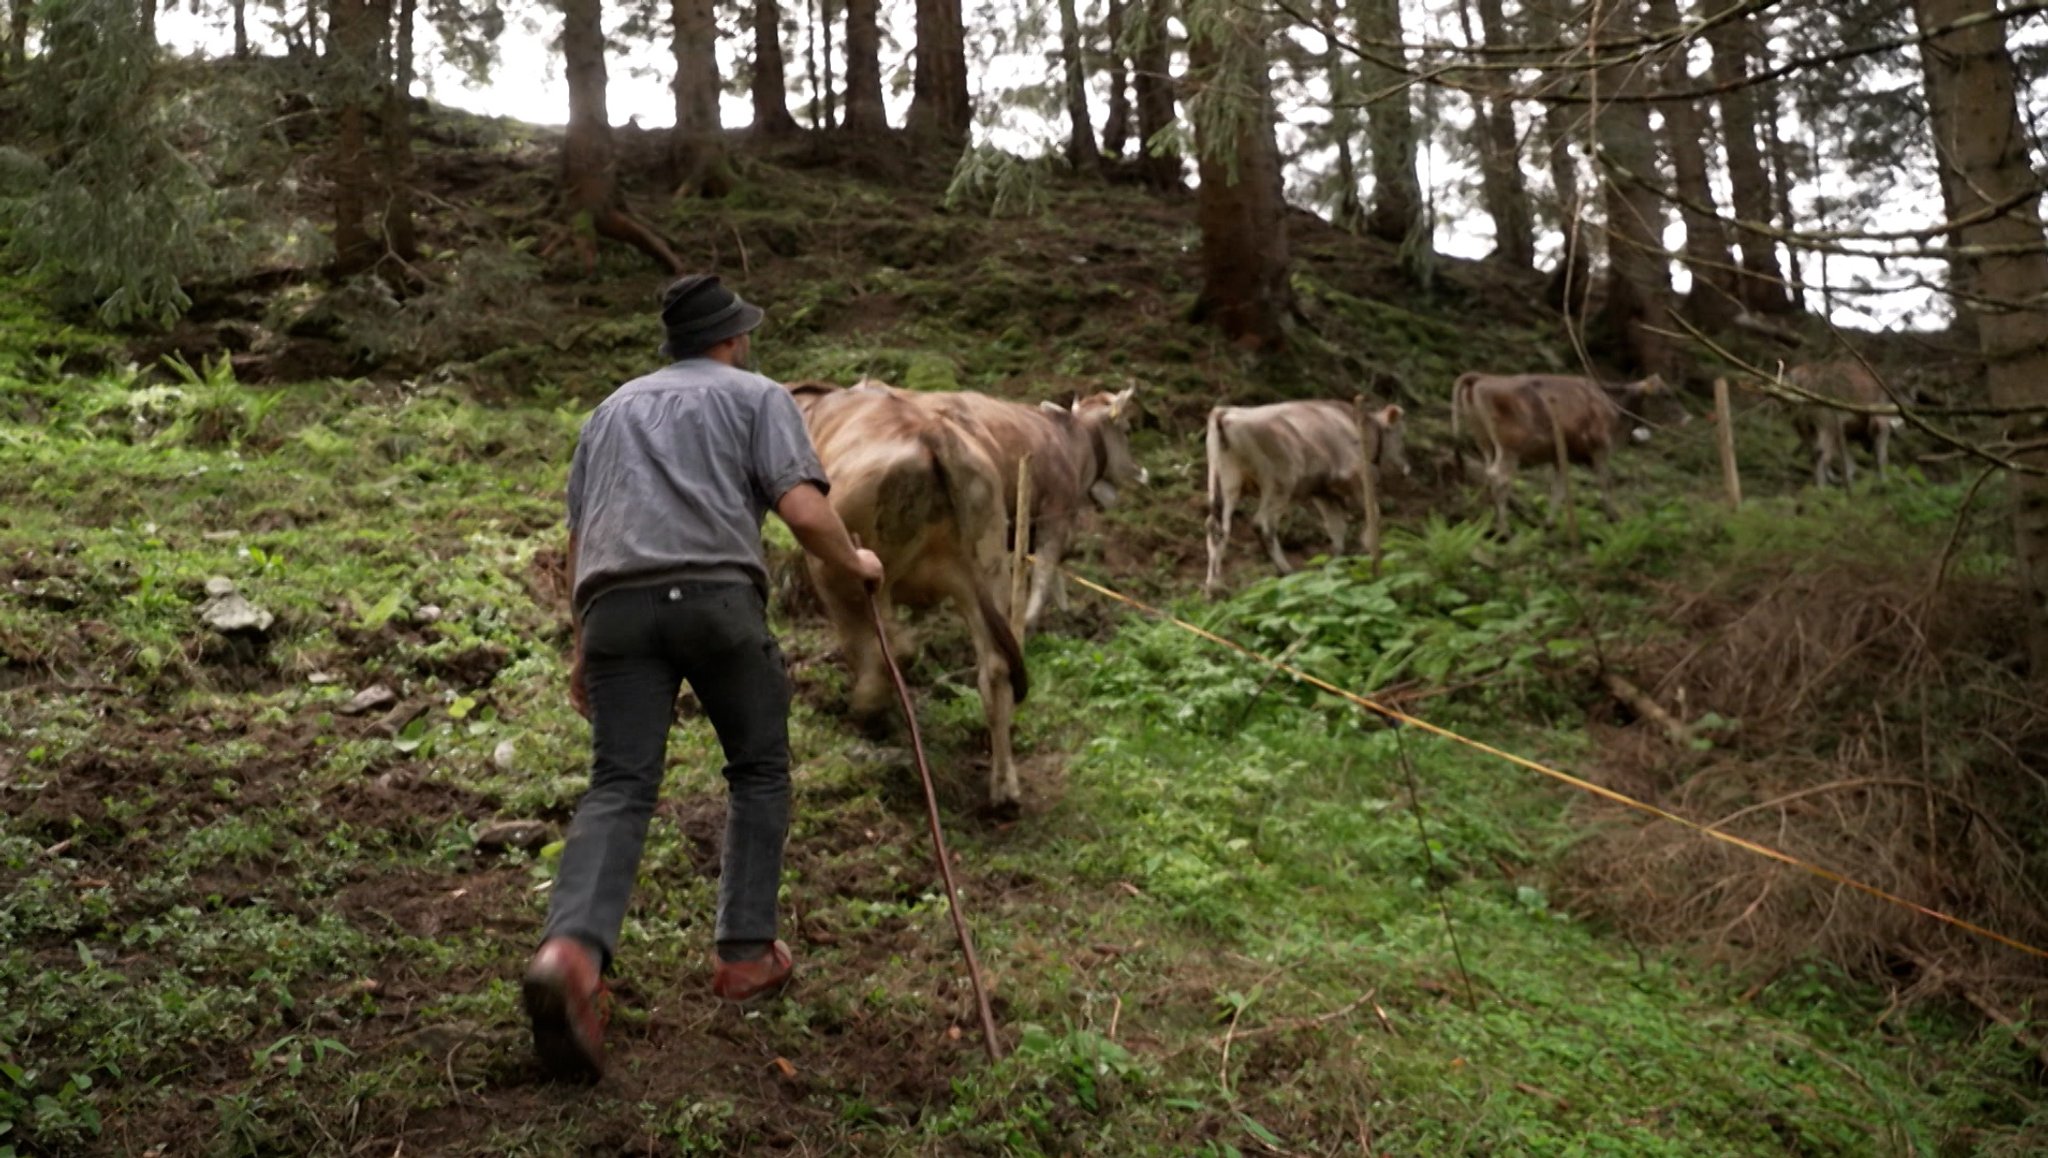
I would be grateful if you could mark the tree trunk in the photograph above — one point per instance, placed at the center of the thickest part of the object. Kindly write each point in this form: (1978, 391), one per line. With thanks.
(1783, 177)
(1152, 61)
(864, 110)
(1560, 121)
(825, 19)
(1245, 288)
(1638, 267)
(17, 40)
(696, 146)
(241, 29)
(1504, 188)
(1397, 211)
(149, 18)
(1972, 94)
(1760, 283)
(814, 106)
(354, 41)
(1350, 213)
(771, 83)
(1570, 279)
(1117, 129)
(1081, 150)
(1708, 256)
(1955, 194)
(589, 176)
(938, 92)
(399, 233)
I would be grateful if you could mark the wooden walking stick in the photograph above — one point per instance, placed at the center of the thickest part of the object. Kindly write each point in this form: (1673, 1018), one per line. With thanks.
(931, 813)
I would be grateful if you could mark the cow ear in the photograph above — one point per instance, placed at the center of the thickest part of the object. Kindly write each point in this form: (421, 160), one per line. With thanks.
(1120, 401)
(1391, 416)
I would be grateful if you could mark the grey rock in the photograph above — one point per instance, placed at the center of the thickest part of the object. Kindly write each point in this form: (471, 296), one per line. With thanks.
(503, 834)
(503, 755)
(230, 614)
(370, 699)
(218, 586)
(427, 613)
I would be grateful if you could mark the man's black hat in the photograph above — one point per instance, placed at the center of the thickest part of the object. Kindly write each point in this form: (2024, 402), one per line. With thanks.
(698, 313)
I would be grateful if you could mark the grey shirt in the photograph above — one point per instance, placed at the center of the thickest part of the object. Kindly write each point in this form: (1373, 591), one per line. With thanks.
(674, 472)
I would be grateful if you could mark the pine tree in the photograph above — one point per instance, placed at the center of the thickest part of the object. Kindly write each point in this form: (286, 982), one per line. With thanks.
(938, 95)
(116, 215)
(353, 66)
(1760, 283)
(1081, 150)
(865, 112)
(1707, 253)
(1502, 185)
(771, 79)
(1245, 287)
(1338, 67)
(1973, 102)
(1638, 277)
(590, 182)
(1571, 280)
(17, 38)
(1397, 210)
(1116, 128)
(1152, 62)
(697, 160)
(396, 131)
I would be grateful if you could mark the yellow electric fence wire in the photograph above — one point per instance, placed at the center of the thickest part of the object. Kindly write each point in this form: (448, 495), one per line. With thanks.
(1604, 793)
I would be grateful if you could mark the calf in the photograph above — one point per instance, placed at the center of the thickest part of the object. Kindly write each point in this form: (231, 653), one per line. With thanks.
(918, 490)
(1080, 456)
(1829, 431)
(1325, 453)
(1525, 419)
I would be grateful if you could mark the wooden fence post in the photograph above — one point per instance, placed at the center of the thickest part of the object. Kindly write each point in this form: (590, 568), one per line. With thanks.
(1020, 551)
(1724, 430)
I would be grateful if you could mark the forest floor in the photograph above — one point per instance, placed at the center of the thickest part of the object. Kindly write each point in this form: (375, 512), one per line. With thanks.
(239, 919)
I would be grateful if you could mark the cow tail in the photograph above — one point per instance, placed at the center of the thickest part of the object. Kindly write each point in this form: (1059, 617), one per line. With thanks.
(1492, 451)
(1461, 397)
(976, 501)
(1218, 445)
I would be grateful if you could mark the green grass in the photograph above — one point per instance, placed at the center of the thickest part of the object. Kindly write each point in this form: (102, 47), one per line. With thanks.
(217, 884)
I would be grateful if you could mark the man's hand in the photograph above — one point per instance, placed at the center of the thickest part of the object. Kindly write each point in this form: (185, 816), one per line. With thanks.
(579, 689)
(868, 566)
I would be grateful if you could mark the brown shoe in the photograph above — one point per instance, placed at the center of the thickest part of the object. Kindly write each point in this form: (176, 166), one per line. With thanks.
(765, 976)
(569, 1005)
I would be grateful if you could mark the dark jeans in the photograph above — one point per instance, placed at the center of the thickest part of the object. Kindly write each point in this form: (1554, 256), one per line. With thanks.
(639, 645)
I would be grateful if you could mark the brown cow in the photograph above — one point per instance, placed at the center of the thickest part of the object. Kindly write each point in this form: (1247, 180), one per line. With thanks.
(1517, 420)
(1079, 455)
(1325, 453)
(919, 491)
(1829, 431)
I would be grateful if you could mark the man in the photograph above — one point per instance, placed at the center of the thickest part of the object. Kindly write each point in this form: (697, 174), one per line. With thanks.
(672, 477)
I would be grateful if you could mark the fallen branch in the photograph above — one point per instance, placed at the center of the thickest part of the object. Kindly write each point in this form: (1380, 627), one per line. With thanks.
(1295, 1023)
(1648, 709)
(1983, 1004)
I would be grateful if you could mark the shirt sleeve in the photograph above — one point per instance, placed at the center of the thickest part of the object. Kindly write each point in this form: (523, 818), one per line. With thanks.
(575, 495)
(782, 451)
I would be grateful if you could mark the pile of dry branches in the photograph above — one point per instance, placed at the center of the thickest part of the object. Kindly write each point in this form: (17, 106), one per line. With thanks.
(1874, 726)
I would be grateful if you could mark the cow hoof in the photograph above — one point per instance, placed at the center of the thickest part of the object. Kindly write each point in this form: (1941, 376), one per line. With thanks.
(1003, 811)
